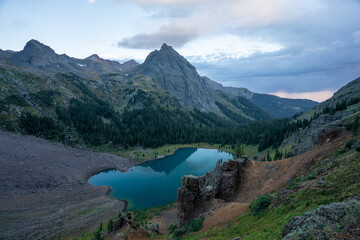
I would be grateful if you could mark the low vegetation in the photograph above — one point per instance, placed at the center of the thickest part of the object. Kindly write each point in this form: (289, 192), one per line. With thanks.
(194, 226)
(145, 216)
(260, 204)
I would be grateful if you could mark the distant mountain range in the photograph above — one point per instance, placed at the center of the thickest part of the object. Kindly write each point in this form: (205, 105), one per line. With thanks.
(166, 78)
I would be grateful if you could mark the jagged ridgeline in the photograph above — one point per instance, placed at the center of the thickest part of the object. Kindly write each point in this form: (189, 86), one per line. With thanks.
(162, 101)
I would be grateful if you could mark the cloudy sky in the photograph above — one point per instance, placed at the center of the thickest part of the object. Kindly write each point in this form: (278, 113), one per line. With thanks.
(297, 49)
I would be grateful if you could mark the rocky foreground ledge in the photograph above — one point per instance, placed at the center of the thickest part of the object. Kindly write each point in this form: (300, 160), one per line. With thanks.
(333, 221)
(197, 193)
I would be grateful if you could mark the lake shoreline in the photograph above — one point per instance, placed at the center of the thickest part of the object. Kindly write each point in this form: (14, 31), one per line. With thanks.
(137, 183)
(163, 151)
(108, 193)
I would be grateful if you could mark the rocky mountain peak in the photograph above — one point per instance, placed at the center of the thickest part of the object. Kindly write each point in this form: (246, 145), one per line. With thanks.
(132, 61)
(165, 47)
(33, 46)
(167, 59)
(94, 57)
(129, 64)
(35, 53)
(172, 72)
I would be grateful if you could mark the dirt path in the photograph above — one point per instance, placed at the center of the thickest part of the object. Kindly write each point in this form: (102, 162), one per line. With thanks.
(44, 189)
(221, 214)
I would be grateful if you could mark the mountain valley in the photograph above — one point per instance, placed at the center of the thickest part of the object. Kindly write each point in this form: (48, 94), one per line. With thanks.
(294, 159)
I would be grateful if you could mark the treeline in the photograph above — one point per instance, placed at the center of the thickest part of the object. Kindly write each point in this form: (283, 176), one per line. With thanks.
(341, 105)
(148, 127)
(41, 127)
(268, 133)
(97, 123)
(94, 120)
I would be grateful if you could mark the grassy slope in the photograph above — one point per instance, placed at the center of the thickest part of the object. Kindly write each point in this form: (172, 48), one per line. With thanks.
(139, 155)
(335, 184)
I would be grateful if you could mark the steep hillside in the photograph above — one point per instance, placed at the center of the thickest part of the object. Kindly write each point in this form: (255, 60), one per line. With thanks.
(275, 106)
(311, 196)
(350, 92)
(281, 107)
(338, 111)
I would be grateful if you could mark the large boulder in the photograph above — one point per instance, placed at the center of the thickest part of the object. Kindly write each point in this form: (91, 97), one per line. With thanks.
(152, 227)
(196, 194)
(323, 222)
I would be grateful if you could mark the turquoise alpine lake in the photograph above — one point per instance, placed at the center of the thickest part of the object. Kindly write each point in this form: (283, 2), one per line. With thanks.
(155, 183)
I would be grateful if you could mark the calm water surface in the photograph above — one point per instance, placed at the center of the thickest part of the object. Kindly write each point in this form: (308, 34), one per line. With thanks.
(155, 183)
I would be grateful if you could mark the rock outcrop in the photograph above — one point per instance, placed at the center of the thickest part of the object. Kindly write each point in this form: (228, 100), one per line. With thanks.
(126, 227)
(325, 221)
(153, 227)
(197, 193)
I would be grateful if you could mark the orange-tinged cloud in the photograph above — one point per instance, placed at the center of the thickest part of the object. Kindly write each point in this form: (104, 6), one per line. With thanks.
(318, 96)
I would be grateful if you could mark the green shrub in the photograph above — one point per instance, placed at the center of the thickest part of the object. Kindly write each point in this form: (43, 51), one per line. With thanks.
(310, 176)
(358, 148)
(97, 233)
(339, 152)
(194, 226)
(197, 224)
(260, 204)
(349, 144)
(172, 228)
(181, 232)
(110, 226)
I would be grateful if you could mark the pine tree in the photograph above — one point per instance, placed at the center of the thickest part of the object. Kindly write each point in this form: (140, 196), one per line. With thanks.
(238, 150)
(110, 226)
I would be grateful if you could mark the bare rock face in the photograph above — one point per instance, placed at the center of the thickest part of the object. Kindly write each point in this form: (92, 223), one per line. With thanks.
(196, 194)
(230, 180)
(325, 222)
(191, 199)
(307, 138)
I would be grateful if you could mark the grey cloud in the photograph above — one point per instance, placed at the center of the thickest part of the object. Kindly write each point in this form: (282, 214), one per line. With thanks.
(321, 48)
(292, 69)
(320, 52)
(170, 34)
